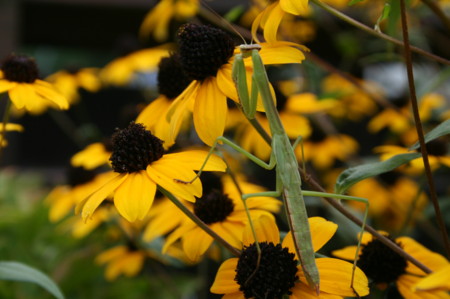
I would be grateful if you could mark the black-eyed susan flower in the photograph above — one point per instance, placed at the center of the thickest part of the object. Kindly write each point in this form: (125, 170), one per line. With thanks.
(353, 104)
(384, 267)
(9, 127)
(121, 70)
(393, 199)
(278, 273)
(92, 156)
(122, 260)
(68, 82)
(80, 184)
(172, 80)
(206, 54)
(19, 76)
(220, 208)
(437, 150)
(139, 165)
(439, 280)
(157, 20)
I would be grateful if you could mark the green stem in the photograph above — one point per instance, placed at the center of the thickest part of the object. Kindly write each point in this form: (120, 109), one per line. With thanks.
(423, 148)
(371, 31)
(199, 222)
(4, 123)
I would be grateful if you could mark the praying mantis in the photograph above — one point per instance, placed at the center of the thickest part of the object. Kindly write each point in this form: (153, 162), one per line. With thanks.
(288, 180)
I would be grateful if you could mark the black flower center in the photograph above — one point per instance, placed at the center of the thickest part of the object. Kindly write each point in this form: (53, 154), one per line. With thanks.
(213, 206)
(79, 175)
(203, 50)
(134, 148)
(380, 263)
(20, 68)
(275, 276)
(172, 79)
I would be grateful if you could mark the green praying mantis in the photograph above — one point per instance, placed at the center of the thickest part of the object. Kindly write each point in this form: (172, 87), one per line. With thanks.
(288, 180)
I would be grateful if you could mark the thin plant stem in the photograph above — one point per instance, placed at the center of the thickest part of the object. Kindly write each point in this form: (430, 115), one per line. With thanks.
(199, 222)
(423, 149)
(369, 30)
(5, 120)
(315, 186)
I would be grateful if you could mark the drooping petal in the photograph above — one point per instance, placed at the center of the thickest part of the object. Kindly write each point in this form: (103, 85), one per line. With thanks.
(180, 175)
(195, 243)
(88, 205)
(405, 285)
(435, 281)
(47, 91)
(225, 82)
(280, 53)
(151, 114)
(176, 111)
(135, 196)
(224, 282)
(295, 7)
(210, 111)
(266, 231)
(168, 183)
(230, 232)
(272, 23)
(194, 159)
(21, 95)
(336, 275)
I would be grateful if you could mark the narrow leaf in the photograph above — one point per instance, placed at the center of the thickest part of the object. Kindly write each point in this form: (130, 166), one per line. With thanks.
(353, 175)
(21, 272)
(441, 130)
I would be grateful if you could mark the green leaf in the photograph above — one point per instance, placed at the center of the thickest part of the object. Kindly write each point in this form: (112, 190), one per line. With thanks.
(353, 2)
(21, 272)
(441, 130)
(353, 175)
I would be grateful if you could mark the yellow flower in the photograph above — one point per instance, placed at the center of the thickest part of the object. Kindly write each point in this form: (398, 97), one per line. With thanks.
(140, 165)
(80, 184)
(392, 198)
(221, 208)
(121, 70)
(92, 156)
(121, 260)
(67, 82)
(206, 54)
(439, 280)
(7, 128)
(157, 19)
(353, 103)
(171, 82)
(384, 266)
(19, 77)
(322, 151)
(279, 272)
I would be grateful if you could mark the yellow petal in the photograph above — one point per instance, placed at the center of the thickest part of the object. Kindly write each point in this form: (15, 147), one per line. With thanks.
(280, 53)
(210, 111)
(265, 228)
(176, 111)
(6, 85)
(225, 82)
(336, 275)
(151, 114)
(195, 243)
(346, 253)
(272, 23)
(47, 91)
(295, 7)
(88, 205)
(135, 196)
(22, 95)
(436, 280)
(194, 159)
(168, 183)
(110, 254)
(224, 282)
